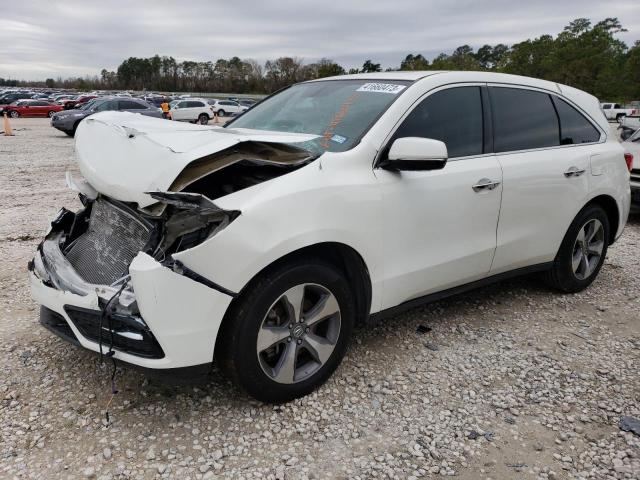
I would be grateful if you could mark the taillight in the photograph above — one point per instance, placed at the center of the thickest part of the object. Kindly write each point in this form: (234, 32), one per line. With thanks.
(629, 159)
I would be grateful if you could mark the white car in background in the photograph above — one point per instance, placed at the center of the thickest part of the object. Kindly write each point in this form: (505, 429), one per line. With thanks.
(226, 107)
(615, 111)
(192, 110)
(632, 154)
(331, 203)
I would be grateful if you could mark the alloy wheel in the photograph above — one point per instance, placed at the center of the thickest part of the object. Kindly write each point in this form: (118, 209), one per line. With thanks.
(299, 333)
(587, 249)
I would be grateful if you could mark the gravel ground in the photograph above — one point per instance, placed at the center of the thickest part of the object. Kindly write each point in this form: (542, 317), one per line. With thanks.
(511, 381)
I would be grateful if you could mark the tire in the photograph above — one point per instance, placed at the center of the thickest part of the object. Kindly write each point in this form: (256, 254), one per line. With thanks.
(619, 117)
(203, 119)
(221, 113)
(50, 114)
(73, 130)
(563, 275)
(264, 373)
(14, 114)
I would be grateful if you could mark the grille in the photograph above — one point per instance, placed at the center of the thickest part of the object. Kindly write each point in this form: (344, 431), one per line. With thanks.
(104, 252)
(55, 323)
(130, 334)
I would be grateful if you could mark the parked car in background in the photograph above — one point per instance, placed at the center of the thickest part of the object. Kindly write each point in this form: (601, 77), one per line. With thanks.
(68, 120)
(192, 110)
(632, 155)
(247, 102)
(224, 107)
(262, 244)
(615, 111)
(12, 97)
(631, 122)
(69, 103)
(31, 108)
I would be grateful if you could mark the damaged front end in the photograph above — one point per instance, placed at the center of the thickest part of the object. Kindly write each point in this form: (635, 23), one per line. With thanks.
(89, 253)
(105, 274)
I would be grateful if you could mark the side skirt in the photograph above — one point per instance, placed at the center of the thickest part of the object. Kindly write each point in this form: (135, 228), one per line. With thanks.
(434, 297)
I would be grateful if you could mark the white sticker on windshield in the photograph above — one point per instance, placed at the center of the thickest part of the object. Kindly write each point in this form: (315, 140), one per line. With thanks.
(381, 88)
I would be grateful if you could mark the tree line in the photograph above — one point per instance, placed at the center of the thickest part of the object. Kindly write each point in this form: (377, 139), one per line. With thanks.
(584, 55)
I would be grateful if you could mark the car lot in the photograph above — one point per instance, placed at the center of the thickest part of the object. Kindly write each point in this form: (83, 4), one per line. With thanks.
(510, 381)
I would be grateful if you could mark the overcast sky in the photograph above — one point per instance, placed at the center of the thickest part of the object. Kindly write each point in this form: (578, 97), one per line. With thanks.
(50, 38)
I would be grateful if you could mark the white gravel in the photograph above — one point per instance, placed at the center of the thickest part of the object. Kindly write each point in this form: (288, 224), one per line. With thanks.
(512, 381)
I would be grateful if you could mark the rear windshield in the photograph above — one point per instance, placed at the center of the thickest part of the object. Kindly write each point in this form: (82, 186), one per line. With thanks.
(339, 111)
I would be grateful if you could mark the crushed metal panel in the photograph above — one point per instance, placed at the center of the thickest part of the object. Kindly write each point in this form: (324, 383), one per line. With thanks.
(257, 152)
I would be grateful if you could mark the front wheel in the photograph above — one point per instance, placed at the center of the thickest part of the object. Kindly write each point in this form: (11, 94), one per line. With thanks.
(288, 332)
(582, 251)
(50, 114)
(14, 114)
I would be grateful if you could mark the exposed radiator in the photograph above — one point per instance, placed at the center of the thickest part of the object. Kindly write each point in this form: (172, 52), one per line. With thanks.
(114, 237)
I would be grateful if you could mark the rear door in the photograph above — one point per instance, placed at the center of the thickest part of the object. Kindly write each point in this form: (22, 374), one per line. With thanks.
(545, 183)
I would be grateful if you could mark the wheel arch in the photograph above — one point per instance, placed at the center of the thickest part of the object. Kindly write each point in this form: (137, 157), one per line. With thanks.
(341, 255)
(610, 207)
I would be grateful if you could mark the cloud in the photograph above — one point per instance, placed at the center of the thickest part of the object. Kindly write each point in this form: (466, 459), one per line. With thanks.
(41, 38)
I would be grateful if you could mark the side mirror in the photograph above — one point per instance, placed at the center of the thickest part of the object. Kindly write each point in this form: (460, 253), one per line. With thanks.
(416, 153)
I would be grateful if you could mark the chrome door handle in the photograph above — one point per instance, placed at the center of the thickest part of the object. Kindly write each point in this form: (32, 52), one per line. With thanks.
(574, 172)
(485, 184)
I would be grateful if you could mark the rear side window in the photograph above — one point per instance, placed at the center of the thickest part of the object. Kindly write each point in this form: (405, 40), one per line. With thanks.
(453, 116)
(130, 105)
(523, 119)
(574, 127)
(195, 104)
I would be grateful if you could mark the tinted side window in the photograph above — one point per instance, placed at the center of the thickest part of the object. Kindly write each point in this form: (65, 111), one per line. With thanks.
(453, 116)
(523, 119)
(108, 105)
(129, 105)
(574, 127)
(607, 106)
(195, 104)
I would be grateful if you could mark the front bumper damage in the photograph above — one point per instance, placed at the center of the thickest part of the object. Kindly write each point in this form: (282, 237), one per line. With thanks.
(163, 319)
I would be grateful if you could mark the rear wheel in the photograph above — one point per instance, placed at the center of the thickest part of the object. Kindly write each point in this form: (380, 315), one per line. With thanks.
(203, 119)
(14, 114)
(221, 113)
(619, 117)
(288, 332)
(582, 251)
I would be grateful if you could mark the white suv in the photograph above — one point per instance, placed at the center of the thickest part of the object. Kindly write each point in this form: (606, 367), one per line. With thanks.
(334, 202)
(192, 110)
(225, 107)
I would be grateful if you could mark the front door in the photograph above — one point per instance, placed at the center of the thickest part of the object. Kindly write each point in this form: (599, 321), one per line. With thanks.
(440, 226)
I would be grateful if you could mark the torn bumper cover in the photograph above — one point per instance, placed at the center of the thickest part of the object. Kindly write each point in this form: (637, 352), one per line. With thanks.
(163, 319)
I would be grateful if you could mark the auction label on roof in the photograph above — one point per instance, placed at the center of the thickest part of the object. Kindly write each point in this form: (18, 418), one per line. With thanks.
(381, 88)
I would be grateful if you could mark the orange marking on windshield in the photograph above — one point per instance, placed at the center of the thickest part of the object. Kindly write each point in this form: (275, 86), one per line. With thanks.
(337, 119)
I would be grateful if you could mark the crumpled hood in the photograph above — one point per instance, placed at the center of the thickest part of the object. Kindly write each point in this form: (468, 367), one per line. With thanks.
(123, 155)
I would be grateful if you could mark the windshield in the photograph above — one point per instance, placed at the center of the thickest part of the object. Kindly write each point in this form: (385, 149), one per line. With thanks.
(339, 111)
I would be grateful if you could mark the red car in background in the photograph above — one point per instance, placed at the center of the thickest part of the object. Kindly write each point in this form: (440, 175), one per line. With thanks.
(30, 108)
(69, 103)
